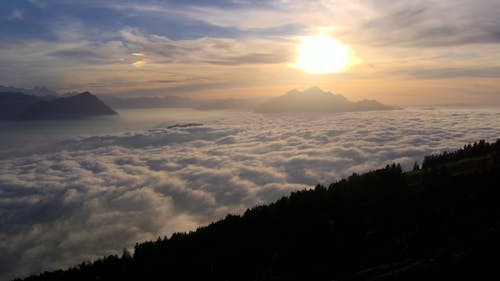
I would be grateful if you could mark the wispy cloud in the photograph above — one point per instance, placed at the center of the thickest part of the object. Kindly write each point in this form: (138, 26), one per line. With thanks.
(16, 14)
(433, 23)
(391, 40)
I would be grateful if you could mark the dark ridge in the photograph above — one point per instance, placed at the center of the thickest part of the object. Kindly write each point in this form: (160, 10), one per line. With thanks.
(438, 222)
(78, 106)
(41, 92)
(14, 104)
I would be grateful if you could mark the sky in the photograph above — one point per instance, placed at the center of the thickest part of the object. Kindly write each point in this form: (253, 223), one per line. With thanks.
(403, 52)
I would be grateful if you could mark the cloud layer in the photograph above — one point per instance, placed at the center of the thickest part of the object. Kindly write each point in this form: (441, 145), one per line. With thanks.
(92, 196)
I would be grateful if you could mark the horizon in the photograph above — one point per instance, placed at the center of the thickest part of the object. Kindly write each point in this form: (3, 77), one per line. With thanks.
(257, 98)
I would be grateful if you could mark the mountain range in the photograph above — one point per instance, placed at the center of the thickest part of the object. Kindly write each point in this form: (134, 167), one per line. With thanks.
(316, 100)
(21, 106)
(310, 100)
(35, 91)
(51, 105)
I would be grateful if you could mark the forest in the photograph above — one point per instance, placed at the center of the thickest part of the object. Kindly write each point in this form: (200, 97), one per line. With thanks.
(440, 220)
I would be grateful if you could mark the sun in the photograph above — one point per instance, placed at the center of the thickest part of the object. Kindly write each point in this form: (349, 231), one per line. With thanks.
(322, 54)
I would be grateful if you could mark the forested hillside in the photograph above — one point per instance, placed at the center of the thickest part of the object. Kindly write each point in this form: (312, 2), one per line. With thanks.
(439, 222)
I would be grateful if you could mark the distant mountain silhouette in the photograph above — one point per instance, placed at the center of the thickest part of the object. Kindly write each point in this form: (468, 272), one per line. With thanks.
(77, 106)
(36, 91)
(14, 104)
(316, 100)
(310, 100)
(19, 106)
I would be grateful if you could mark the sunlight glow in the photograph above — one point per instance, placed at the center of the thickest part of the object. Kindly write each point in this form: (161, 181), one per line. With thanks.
(322, 54)
(139, 63)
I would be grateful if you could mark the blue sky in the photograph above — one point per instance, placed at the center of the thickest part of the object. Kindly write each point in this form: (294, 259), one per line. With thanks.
(406, 51)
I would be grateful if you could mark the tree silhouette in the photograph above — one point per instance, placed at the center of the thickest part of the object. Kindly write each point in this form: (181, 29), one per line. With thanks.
(416, 167)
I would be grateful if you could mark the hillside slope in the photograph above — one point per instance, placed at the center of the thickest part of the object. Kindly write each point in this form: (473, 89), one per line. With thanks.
(439, 222)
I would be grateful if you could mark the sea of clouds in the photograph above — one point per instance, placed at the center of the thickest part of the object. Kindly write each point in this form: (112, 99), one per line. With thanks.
(87, 197)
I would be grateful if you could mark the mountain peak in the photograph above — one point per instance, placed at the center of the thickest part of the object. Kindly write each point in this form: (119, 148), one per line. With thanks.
(86, 93)
(293, 92)
(316, 100)
(311, 91)
(314, 90)
(19, 106)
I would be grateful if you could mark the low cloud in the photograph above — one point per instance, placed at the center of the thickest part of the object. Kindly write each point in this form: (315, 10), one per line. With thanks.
(91, 196)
